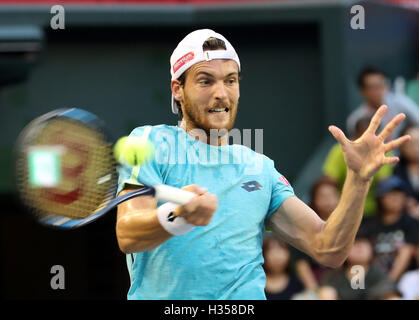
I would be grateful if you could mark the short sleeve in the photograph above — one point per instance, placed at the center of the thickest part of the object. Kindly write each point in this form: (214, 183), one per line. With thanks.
(281, 189)
(145, 174)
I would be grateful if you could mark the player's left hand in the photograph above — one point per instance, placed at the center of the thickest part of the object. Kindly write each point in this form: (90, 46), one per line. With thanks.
(367, 154)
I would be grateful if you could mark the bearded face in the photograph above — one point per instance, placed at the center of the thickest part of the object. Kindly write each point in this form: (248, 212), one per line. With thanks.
(210, 95)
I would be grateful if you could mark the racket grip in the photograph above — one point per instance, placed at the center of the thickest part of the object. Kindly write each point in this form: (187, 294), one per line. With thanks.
(166, 193)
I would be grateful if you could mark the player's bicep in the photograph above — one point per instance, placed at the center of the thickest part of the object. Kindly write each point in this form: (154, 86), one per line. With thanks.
(136, 204)
(137, 226)
(297, 224)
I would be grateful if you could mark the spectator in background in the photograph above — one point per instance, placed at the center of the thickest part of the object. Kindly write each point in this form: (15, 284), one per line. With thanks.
(392, 232)
(324, 199)
(322, 293)
(412, 89)
(281, 284)
(335, 167)
(385, 290)
(409, 282)
(408, 169)
(342, 279)
(375, 91)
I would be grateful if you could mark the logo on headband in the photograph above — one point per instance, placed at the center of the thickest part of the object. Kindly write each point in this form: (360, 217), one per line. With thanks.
(181, 62)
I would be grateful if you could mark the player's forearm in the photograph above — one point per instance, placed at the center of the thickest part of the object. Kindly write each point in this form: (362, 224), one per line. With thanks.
(339, 231)
(140, 231)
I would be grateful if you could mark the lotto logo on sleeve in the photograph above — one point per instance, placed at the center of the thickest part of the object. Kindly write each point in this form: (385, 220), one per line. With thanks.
(284, 180)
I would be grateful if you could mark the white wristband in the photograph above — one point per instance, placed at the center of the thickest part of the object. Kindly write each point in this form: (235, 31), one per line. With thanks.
(172, 224)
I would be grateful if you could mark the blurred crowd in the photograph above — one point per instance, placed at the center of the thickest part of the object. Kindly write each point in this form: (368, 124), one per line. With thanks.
(384, 260)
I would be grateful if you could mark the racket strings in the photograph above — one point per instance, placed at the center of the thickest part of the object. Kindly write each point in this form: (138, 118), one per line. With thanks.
(87, 170)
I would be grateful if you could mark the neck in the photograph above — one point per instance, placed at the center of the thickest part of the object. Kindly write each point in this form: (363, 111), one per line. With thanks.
(390, 217)
(203, 136)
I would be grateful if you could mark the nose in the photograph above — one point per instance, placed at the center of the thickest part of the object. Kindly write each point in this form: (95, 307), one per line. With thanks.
(220, 91)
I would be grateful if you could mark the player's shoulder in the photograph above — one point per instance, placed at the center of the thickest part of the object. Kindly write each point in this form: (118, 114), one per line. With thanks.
(153, 130)
(256, 159)
(245, 150)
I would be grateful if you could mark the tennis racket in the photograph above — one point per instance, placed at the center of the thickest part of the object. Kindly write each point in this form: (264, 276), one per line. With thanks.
(66, 172)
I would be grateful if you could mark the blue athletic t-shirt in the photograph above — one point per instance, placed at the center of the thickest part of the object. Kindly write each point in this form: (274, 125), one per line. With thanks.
(222, 260)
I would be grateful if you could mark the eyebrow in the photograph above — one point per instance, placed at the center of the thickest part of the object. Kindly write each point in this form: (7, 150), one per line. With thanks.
(211, 76)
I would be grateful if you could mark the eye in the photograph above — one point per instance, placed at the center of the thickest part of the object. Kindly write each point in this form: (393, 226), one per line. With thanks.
(204, 81)
(231, 81)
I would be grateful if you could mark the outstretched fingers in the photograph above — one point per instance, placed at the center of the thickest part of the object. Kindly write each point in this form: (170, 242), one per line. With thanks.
(396, 143)
(376, 119)
(389, 128)
(338, 135)
(390, 160)
(393, 145)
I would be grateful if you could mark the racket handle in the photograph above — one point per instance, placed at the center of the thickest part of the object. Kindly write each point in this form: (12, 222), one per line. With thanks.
(166, 193)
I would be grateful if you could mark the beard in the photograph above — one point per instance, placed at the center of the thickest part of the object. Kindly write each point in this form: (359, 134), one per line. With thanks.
(197, 116)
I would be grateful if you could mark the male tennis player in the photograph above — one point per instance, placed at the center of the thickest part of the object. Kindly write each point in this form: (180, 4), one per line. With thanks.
(210, 248)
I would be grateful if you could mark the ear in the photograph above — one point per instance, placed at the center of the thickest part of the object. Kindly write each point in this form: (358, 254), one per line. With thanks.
(177, 90)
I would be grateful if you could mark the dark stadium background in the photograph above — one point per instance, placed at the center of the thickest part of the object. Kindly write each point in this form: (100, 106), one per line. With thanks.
(299, 59)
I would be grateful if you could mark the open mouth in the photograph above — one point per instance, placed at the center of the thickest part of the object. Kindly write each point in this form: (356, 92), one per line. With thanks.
(218, 110)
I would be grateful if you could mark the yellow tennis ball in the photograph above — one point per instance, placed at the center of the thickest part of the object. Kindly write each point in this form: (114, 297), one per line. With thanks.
(133, 151)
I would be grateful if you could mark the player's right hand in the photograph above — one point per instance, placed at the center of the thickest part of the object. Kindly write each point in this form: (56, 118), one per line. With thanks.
(200, 210)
